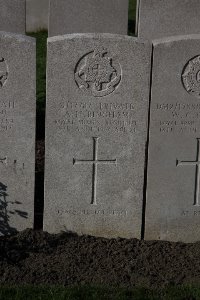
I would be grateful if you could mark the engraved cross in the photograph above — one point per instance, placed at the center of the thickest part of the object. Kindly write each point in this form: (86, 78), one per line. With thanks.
(94, 162)
(97, 68)
(197, 176)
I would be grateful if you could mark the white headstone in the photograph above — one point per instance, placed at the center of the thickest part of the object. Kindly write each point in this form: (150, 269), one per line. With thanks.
(88, 16)
(163, 18)
(13, 16)
(96, 130)
(17, 132)
(173, 193)
(36, 15)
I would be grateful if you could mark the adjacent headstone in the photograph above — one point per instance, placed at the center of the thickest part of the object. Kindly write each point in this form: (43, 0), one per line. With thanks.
(163, 18)
(17, 132)
(13, 16)
(173, 189)
(88, 16)
(96, 129)
(36, 15)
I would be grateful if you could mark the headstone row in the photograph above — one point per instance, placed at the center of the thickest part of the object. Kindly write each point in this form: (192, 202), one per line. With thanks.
(65, 16)
(154, 18)
(96, 131)
(98, 88)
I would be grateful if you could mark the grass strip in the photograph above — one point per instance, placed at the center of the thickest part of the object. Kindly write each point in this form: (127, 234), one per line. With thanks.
(97, 293)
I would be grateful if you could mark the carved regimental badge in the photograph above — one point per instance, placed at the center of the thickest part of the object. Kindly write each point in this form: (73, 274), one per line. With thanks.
(97, 73)
(191, 77)
(3, 72)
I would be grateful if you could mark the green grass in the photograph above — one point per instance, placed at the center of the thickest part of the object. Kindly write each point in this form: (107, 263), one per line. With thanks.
(41, 38)
(132, 10)
(41, 52)
(97, 293)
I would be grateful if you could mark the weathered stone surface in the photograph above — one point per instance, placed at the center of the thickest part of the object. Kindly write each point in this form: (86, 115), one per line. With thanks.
(36, 15)
(163, 18)
(88, 16)
(173, 195)
(17, 132)
(13, 16)
(97, 103)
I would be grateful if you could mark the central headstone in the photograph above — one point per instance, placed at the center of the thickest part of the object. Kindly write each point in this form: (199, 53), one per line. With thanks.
(96, 129)
(88, 16)
(13, 16)
(173, 189)
(17, 132)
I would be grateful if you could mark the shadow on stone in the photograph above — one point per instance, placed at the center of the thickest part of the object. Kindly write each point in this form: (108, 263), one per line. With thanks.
(39, 200)
(131, 27)
(6, 212)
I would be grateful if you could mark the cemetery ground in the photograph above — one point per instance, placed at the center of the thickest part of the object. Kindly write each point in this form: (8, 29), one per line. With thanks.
(67, 266)
(38, 265)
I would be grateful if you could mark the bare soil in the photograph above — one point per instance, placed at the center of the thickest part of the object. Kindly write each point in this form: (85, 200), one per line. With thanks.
(36, 257)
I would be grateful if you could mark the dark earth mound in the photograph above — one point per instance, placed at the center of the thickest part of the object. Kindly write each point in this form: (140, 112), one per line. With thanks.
(36, 257)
